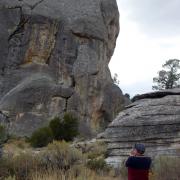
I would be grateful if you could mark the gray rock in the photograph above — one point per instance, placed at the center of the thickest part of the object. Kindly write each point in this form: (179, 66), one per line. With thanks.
(154, 119)
(54, 59)
(156, 94)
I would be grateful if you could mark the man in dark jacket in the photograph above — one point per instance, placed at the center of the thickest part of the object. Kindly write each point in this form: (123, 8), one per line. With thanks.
(138, 164)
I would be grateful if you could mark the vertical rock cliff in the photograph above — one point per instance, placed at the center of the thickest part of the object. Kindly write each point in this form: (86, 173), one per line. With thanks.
(54, 58)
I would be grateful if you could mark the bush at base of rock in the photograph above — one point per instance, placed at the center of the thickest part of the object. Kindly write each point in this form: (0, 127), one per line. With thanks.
(70, 125)
(64, 129)
(3, 134)
(98, 165)
(60, 155)
(58, 129)
(41, 137)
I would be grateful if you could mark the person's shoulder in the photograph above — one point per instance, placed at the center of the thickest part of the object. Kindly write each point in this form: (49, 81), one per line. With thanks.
(145, 157)
(147, 160)
(130, 161)
(131, 158)
(139, 158)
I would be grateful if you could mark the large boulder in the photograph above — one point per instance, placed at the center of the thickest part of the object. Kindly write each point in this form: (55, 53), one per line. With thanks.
(153, 119)
(54, 59)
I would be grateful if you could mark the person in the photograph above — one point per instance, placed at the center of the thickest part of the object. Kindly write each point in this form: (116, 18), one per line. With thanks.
(138, 165)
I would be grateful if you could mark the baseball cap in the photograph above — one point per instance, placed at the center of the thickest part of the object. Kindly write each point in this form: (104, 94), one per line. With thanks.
(140, 148)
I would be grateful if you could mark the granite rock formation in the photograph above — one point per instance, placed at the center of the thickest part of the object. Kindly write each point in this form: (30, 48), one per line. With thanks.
(153, 119)
(54, 59)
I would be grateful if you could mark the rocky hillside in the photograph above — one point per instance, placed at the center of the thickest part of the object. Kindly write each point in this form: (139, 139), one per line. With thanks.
(153, 119)
(54, 59)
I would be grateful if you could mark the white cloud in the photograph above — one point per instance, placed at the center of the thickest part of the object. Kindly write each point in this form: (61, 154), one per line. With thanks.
(138, 54)
(155, 17)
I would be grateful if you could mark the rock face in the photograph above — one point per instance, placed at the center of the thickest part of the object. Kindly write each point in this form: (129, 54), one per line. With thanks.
(54, 58)
(153, 119)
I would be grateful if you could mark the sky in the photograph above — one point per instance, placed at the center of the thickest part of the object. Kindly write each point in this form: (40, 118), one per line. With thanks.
(149, 36)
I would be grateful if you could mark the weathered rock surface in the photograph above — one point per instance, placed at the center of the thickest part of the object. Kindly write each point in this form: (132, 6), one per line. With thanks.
(54, 58)
(154, 119)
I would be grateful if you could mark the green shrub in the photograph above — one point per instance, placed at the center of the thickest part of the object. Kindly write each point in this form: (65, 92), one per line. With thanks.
(60, 155)
(96, 150)
(57, 128)
(98, 165)
(70, 125)
(65, 129)
(41, 137)
(3, 134)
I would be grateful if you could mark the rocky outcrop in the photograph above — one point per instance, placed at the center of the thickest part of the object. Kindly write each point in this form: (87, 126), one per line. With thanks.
(54, 59)
(153, 119)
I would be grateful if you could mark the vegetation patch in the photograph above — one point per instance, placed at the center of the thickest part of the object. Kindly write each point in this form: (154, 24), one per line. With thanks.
(64, 129)
(166, 168)
(58, 129)
(41, 137)
(3, 134)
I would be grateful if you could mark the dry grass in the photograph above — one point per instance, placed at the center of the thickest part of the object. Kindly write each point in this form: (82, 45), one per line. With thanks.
(16, 146)
(77, 173)
(166, 168)
(59, 160)
(62, 161)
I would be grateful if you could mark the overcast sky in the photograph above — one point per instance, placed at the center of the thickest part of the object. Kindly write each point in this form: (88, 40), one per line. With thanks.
(149, 35)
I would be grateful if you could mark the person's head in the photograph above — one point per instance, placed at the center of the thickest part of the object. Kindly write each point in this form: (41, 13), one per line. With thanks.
(139, 149)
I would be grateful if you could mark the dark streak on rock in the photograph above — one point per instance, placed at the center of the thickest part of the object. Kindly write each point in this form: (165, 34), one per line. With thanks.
(86, 36)
(154, 95)
(21, 24)
(36, 4)
(144, 125)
